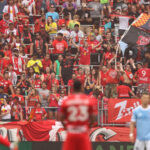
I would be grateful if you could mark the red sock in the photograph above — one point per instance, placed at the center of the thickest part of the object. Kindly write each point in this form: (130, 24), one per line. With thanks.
(4, 141)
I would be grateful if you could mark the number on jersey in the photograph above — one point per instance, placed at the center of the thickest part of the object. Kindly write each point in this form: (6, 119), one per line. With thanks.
(78, 113)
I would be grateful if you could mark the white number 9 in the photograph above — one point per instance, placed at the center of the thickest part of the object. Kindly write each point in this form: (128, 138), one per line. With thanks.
(143, 73)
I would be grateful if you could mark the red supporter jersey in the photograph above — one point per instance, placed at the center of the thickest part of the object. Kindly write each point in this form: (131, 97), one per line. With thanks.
(143, 76)
(4, 25)
(103, 78)
(112, 76)
(107, 56)
(21, 98)
(59, 46)
(85, 56)
(77, 110)
(93, 43)
(52, 82)
(39, 112)
(6, 84)
(46, 63)
(53, 101)
(123, 91)
(70, 84)
(37, 83)
(32, 100)
(80, 77)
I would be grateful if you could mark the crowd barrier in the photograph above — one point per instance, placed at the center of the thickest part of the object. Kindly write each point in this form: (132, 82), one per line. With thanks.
(58, 146)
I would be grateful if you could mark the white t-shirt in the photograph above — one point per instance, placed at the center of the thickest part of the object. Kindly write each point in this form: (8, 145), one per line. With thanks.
(6, 109)
(5, 10)
(65, 33)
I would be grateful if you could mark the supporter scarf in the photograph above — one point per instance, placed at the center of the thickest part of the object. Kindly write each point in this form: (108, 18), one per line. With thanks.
(13, 10)
(77, 37)
(30, 3)
(19, 63)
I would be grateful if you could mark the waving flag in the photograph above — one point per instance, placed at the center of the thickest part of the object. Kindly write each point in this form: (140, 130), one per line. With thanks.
(139, 31)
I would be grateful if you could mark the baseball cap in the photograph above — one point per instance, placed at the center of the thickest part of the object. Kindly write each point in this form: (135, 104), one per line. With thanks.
(84, 5)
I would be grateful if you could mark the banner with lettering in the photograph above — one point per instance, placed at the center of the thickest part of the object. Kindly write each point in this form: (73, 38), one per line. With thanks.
(120, 110)
(53, 131)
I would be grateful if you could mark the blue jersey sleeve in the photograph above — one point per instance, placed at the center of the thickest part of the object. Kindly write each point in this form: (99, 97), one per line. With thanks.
(133, 118)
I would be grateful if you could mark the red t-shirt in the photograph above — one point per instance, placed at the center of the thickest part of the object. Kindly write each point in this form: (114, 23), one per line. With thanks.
(37, 83)
(53, 102)
(4, 64)
(52, 82)
(93, 43)
(77, 109)
(85, 56)
(7, 53)
(80, 77)
(112, 76)
(103, 78)
(46, 63)
(143, 75)
(123, 91)
(63, 21)
(32, 100)
(70, 84)
(21, 98)
(38, 113)
(107, 56)
(59, 46)
(6, 84)
(4, 25)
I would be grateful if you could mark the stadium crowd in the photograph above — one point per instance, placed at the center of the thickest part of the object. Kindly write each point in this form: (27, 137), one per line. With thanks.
(46, 44)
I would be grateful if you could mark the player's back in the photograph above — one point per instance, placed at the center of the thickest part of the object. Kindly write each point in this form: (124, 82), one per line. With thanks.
(77, 110)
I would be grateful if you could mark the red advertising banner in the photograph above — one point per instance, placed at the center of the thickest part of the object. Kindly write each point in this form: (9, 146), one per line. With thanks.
(120, 110)
(53, 131)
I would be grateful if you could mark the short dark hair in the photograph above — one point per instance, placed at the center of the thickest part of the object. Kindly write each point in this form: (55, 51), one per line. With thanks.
(60, 34)
(77, 86)
(76, 25)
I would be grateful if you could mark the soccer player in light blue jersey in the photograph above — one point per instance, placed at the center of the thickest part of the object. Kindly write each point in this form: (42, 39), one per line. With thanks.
(141, 119)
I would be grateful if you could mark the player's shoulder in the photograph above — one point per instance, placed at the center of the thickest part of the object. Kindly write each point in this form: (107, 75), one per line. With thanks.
(137, 109)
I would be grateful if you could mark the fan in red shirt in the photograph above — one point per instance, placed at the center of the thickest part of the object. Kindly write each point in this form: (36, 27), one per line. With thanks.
(3, 63)
(70, 83)
(143, 76)
(103, 76)
(124, 91)
(60, 45)
(77, 112)
(7, 51)
(33, 98)
(18, 94)
(52, 82)
(4, 24)
(38, 113)
(94, 44)
(53, 102)
(85, 52)
(64, 21)
(7, 83)
(80, 75)
(38, 23)
(46, 62)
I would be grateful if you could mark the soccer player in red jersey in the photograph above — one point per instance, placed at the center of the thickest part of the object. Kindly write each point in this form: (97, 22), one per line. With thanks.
(77, 113)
